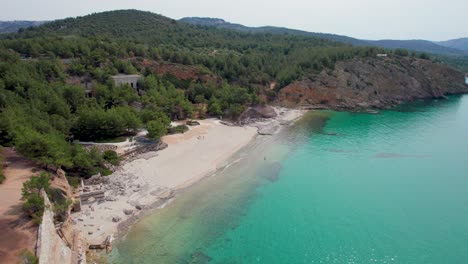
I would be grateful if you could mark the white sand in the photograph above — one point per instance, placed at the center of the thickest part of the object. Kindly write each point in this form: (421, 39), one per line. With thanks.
(157, 175)
(188, 158)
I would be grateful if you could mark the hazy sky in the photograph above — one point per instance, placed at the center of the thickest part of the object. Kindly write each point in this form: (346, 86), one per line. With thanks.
(368, 19)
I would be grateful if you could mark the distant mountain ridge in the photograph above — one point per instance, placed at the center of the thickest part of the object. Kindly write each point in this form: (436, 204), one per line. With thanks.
(461, 43)
(14, 26)
(450, 47)
(417, 45)
(220, 23)
(458, 47)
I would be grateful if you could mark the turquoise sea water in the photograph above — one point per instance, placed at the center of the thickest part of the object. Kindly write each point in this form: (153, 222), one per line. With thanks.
(335, 188)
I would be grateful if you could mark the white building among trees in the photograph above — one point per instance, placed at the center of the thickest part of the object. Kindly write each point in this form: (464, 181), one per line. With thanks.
(131, 80)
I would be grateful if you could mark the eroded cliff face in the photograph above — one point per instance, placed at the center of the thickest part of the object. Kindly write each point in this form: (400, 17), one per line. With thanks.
(374, 83)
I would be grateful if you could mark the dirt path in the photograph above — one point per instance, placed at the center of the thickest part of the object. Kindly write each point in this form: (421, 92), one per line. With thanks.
(17, 232)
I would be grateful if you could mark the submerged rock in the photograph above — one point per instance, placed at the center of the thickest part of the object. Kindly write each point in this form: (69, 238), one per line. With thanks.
(272, 171)
(200, 258)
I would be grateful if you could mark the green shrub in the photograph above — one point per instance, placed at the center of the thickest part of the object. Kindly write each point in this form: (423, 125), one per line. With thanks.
(27, 257)
(74, 181)
(112, 157)
(61, 203)
(401, 52)
(155, 129)
(33, 204)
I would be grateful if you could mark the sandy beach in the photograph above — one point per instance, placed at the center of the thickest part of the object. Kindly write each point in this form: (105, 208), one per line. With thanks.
(155, 177)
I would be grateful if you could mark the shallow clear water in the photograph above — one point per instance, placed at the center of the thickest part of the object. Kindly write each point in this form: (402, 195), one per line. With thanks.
(336, 188)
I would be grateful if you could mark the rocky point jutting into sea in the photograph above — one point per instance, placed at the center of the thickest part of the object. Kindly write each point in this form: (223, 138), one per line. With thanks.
(379, 82)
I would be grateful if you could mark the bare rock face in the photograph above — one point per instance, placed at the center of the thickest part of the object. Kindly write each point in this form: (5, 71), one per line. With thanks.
(60, 173)
(376, 82)
(259, 112)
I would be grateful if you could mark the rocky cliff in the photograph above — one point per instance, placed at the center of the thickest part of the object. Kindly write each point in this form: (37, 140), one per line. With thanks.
(379, 82)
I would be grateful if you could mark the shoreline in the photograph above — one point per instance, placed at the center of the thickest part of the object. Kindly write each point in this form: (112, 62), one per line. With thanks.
(153, 179)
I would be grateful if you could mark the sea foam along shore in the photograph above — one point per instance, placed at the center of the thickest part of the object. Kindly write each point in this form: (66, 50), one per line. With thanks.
(155, 177)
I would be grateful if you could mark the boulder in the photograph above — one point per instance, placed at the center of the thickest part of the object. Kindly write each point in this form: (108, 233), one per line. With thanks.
(267, 129)
(116, 219)
(128, 211)
(110, 198)
(97, 179)
(192, 123)
(258, 112)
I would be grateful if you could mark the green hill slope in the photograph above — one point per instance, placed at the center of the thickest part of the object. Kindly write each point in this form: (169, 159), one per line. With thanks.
(56, 85)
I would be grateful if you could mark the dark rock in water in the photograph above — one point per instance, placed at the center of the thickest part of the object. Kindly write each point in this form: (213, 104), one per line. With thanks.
(272, 171)
(372, 111)
(200, 258)
(256, 113)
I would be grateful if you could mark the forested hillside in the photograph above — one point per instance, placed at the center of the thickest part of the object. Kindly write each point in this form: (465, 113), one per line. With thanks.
(55, 85)
(455, 47)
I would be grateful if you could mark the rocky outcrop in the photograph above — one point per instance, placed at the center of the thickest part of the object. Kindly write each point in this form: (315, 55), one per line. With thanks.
(378, 82)
(256, 113)
(179, 71)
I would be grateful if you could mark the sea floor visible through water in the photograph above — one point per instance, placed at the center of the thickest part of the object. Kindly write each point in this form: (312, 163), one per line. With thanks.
(336, 187)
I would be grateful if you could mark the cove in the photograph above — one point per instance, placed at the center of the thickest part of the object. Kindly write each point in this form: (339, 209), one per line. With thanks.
(337, 187)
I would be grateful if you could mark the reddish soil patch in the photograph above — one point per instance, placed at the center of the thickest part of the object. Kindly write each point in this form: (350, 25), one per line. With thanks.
(18, 232)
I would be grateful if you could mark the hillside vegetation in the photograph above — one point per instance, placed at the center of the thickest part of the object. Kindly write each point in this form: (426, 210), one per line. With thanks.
(457, 47)
(188, 71)
(14, 26)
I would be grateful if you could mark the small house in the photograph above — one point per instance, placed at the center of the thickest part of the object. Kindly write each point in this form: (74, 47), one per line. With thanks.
(382, 55)
(131, 80)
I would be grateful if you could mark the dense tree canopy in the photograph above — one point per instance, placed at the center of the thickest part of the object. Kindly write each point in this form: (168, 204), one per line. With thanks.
(48, 72)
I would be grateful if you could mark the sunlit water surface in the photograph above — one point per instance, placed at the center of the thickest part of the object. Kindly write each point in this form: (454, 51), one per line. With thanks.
(335, 188)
